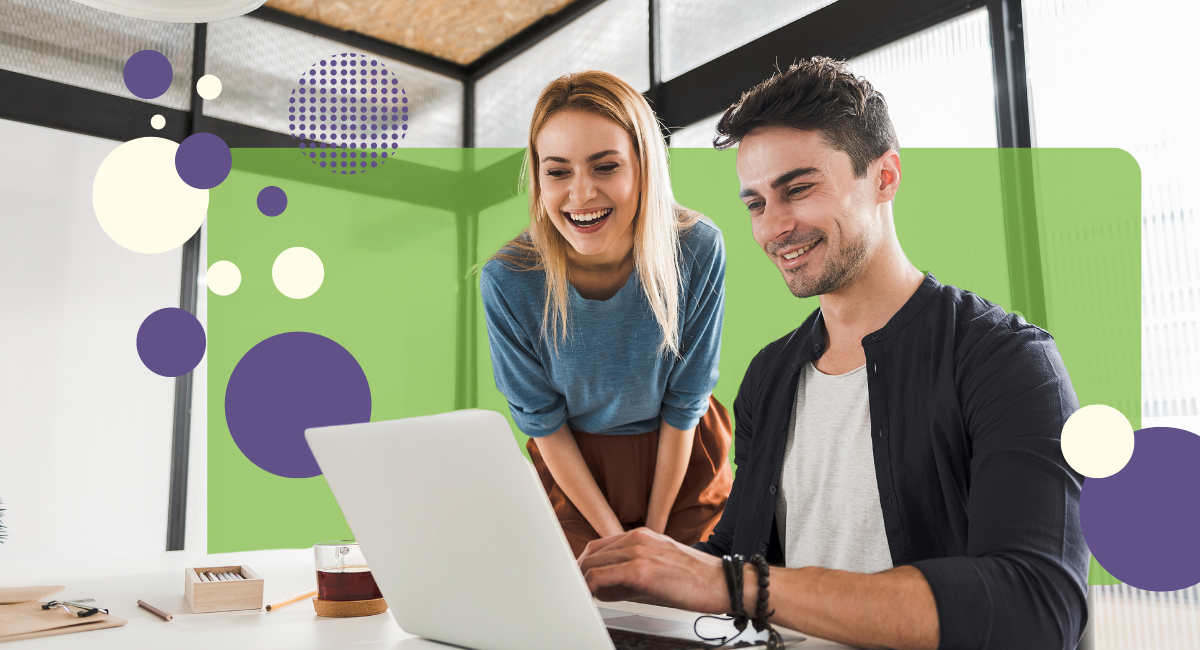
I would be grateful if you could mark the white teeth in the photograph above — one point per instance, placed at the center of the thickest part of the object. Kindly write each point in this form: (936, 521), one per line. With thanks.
(591, 216)
(794, 254)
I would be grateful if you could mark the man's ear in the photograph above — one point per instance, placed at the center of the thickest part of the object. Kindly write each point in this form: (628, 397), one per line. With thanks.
(888, 176)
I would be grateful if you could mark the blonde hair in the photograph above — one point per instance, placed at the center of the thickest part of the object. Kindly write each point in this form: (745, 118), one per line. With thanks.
(657, 224)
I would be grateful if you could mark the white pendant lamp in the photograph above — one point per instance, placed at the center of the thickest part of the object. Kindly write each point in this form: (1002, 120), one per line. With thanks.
(177, 11)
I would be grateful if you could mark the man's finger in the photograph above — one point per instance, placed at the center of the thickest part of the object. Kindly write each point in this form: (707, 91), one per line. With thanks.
(596, 545)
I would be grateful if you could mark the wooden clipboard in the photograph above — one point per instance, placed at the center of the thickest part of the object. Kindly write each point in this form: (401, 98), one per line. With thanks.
(27, 620)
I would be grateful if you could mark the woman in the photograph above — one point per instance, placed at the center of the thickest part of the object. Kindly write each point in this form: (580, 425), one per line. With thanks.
(604, 320)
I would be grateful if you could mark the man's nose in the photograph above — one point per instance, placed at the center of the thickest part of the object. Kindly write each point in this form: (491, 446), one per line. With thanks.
(776, 223)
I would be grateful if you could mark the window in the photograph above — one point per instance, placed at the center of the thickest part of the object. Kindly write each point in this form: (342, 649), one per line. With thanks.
(938, 84)
(259, 63)
(613, 37)
(694, 32)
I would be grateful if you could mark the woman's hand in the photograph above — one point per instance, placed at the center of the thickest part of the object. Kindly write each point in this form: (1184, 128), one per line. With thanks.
(642, 563)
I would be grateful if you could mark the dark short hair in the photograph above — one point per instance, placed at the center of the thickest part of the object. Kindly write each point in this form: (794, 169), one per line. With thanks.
(816, 95)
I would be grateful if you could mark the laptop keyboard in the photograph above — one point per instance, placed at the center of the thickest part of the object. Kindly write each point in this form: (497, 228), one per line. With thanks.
(640, 641)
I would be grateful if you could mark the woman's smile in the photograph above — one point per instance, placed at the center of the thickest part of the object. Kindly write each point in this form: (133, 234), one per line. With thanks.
(587, 220)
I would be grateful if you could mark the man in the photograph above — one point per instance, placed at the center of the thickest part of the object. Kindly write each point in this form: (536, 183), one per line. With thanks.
(898, 452)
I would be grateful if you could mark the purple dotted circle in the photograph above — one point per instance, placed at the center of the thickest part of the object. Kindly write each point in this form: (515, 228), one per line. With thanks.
(272, 201)
(1141, 522)
(349, 113)
(147, 74)
(286, 384)
(171, 342)
(203, 160)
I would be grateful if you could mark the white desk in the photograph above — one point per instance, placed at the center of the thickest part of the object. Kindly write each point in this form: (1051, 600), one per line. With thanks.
(117, 583)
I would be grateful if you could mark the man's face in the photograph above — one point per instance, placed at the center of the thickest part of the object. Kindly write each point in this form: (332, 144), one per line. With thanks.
(815, 220)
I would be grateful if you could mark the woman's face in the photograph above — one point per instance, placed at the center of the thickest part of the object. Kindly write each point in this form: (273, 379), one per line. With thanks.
(589, 178)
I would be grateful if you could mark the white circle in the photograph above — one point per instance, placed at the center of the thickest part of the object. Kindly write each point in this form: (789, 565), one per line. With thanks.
(298, 272)
(141, 202)
(1097, 441)
(158, 122)
(224, 278)
(208, 86)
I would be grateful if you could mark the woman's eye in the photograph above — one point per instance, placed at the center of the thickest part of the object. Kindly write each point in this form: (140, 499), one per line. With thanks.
(556, 173)
(606, 167)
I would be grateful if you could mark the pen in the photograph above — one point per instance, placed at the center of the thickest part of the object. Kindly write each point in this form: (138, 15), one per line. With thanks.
(293, 599)
(154, 610)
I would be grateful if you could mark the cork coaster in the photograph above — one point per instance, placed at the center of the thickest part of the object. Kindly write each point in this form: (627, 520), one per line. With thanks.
(349, 608)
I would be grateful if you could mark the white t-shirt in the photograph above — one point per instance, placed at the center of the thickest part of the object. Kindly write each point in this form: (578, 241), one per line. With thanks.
(828, 506)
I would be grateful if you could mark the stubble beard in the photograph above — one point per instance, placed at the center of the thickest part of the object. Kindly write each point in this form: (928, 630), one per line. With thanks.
(841, 268)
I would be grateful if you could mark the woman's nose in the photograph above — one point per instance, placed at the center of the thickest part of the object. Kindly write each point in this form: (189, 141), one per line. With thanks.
(582, 189)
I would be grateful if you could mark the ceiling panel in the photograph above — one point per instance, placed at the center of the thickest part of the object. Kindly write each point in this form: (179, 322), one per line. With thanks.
(456, 30)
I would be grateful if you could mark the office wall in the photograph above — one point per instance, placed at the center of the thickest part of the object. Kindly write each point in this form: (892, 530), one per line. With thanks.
(85, 428)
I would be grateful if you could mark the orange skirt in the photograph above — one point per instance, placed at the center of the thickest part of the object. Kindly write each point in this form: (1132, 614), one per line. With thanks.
(623, 466)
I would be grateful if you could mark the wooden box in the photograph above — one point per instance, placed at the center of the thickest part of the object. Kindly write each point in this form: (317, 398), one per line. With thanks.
(227, 596)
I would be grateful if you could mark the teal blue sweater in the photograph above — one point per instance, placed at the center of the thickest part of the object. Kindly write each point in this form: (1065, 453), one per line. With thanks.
(607, 376)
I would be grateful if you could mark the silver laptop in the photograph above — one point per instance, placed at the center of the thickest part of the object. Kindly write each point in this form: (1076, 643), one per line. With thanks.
(463, 541)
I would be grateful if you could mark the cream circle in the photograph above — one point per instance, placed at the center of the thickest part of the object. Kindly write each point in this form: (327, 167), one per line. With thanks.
(209, 86)
(1097, 441)
(158, 122)
(140, 201)
(298, 272)
(224, 278)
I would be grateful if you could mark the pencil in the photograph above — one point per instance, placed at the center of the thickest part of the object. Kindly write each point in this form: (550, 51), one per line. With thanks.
(154, 610)
(293, 599)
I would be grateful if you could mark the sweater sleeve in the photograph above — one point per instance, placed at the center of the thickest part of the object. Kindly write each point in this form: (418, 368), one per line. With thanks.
(536, 407)
(1023, 582)
(692, 380)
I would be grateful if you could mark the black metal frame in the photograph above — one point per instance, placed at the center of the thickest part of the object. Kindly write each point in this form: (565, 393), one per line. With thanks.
(843, 29)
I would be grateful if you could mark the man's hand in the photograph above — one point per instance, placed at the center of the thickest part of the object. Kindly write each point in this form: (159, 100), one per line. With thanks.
(642, 563)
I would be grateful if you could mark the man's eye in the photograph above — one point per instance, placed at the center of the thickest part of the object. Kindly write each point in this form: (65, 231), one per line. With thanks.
(798, 189)
(754, 205)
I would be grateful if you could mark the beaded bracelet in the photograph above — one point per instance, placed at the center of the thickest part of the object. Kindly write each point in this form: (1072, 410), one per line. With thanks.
(761, 615)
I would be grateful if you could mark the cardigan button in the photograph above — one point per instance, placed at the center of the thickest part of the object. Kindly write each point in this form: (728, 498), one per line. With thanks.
(774, 489)
(762, 547)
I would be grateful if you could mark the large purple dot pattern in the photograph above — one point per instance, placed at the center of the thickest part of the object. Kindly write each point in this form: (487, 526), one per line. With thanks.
(1142, 523)
(349, 113)
(286, 384)
(203, 160)
(272, 201)
(147, 74)
(171, 342)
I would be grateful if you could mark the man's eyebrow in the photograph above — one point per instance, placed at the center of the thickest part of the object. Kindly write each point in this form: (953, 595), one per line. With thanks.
(595, 156)
(785, 178)
(792, 175)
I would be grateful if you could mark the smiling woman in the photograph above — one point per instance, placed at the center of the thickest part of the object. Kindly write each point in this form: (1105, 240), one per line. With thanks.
(623, 429)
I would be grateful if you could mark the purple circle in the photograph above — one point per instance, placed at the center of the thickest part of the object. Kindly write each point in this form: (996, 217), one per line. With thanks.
(1141, 522)
(203, 160)
(286, 384)
(272, 201)
(171, 342)
(147, 74)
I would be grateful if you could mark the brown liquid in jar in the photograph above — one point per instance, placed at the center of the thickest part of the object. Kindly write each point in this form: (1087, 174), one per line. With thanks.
(347, 583)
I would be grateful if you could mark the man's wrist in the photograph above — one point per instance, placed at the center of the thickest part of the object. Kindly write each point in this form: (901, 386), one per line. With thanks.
(749, 588)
